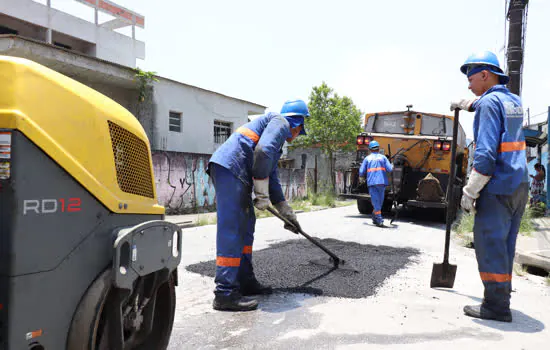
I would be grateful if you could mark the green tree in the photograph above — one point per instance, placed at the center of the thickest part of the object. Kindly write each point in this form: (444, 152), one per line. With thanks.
(333, 125)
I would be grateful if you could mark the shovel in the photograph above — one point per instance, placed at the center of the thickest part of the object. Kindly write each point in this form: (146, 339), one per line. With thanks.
(337, 262)
(443, 275)
(394, 198)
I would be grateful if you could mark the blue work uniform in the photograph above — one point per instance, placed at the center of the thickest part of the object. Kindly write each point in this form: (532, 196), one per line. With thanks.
(499, 153)
(375, 166)
(252, 151)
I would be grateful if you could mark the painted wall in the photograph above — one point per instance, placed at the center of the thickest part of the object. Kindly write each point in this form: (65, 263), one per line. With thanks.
(305, 158)
(184, 187)
(293, 182)
(182, 183)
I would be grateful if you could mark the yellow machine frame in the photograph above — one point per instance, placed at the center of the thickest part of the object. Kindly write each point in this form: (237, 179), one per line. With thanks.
(108, 134)
(438, 160)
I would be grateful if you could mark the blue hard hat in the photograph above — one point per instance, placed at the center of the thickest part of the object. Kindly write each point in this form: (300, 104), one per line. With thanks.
(485, 60)
(295, 111)
(373, 144)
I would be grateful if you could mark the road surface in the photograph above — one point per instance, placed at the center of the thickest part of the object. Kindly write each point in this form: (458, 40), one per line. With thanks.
(398, 309)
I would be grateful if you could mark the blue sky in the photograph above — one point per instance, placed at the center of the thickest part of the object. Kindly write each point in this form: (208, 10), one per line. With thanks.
(382, 54)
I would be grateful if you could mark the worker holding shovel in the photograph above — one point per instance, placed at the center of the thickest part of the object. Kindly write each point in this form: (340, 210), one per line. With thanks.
(497, 189)
(247, 162)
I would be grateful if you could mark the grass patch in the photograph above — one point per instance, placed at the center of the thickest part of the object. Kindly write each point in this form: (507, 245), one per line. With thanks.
(311, 202)
(345, 203)
(526, 225)
(300, 204)
(466, 223)
(262, 214)
(204, 220)
(538, 210)
(520, 270)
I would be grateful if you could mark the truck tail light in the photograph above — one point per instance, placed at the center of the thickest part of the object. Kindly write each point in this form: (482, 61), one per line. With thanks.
(446, 146)
(360, 140)
(437, 145)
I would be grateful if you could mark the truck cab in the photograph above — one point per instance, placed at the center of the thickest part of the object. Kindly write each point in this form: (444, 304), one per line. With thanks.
(418, 144)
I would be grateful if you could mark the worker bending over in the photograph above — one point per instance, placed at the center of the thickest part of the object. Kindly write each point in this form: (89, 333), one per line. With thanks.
(247, 162)
(497, 189)
(375, 165)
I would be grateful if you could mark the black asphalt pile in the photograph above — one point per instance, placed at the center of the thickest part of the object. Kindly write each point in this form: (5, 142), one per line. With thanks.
(298, 266)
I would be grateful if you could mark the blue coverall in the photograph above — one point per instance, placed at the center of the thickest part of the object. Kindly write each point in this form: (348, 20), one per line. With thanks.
(253, 150)
(499, 153)
(375, 165)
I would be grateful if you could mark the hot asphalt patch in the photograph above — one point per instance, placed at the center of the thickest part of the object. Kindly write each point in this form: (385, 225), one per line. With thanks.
(293, 266)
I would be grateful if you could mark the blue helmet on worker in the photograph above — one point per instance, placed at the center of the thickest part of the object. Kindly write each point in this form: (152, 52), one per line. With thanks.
(481, 61)
(294, 111)
(373, 145)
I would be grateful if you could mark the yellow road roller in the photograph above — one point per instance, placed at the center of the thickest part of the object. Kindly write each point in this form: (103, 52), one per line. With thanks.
(87, 260)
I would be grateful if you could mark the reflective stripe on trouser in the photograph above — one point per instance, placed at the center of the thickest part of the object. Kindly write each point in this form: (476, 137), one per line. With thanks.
(235, 230)
(377, 199)
(246, 271)
(496, 228)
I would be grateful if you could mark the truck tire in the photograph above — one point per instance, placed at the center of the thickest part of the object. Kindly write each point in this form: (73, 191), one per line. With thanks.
(364, 206)
(89, 327)
(387, 207)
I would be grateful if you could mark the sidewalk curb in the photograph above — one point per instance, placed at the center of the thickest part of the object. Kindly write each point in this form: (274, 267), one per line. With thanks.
(532, 259)
(194, 223)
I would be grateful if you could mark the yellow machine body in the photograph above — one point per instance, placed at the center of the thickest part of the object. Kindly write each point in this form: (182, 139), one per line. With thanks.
(96, 140)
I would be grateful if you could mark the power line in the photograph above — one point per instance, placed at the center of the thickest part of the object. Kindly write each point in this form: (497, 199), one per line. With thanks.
(536, 115)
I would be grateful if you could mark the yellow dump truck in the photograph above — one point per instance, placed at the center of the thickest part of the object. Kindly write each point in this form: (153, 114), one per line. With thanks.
(420, 143)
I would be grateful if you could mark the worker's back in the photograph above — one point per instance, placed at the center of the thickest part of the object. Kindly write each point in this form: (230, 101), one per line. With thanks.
(376, 165)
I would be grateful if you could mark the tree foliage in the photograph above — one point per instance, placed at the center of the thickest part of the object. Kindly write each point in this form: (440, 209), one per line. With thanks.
(333, 124)
(334, 121)
(144, 79)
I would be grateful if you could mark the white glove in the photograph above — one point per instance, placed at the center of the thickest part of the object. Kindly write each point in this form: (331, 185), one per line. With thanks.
(286, 211)
(261, 190)
(462, 104)
(467, 204)
(470, 192)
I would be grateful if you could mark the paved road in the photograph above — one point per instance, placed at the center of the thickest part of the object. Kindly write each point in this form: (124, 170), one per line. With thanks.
(403, 313)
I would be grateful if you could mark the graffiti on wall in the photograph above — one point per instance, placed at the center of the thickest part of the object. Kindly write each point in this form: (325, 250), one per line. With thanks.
(293, 183)
(340, 181)
(183, 186)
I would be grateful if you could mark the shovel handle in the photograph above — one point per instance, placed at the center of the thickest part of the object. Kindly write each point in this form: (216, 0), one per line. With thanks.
(309, 238)
(450, 188)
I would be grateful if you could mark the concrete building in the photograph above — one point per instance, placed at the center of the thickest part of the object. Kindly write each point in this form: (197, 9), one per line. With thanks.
(184, 123)
(317, 167)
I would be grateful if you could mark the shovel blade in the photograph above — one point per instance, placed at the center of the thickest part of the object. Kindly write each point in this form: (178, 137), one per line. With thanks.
(443, 276)
(330, 264)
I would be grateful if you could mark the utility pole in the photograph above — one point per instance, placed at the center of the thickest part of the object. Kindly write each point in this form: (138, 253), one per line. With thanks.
(517, 16)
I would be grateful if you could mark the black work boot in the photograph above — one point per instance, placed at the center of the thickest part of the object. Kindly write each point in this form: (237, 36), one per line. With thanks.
(234, 302)
(479, 311)
(255, 288)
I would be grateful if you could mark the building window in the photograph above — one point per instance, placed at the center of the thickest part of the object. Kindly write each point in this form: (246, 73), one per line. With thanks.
(222, 131)
(175, 121)
(6, 30)
(56, 43)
